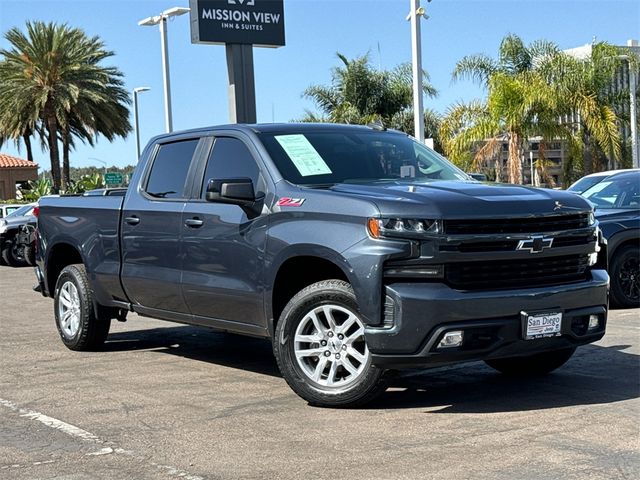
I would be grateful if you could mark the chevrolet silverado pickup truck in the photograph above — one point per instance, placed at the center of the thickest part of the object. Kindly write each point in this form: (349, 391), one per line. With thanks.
(356, 250)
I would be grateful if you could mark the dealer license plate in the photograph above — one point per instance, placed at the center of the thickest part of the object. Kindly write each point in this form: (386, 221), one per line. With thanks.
(540, 325)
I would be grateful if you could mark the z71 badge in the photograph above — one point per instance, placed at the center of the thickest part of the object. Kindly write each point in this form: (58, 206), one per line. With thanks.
(290, 202)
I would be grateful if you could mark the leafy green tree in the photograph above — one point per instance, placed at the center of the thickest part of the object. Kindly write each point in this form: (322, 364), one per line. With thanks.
(519, 104)
(586, 104)
(360, 94)
(37, 189)
(53, 75)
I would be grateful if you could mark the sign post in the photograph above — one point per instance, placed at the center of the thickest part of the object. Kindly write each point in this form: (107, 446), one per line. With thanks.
(239, 25)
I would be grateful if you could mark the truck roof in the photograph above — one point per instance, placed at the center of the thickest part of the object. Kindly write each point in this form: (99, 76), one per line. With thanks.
(274, 127)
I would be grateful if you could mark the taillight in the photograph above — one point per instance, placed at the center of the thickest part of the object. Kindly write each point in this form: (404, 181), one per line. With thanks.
(36, 211)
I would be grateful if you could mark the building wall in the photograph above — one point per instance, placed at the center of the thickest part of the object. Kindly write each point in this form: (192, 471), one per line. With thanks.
(10, 176)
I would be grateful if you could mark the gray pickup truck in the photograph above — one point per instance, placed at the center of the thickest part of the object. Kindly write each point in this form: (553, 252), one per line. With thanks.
(354, 249)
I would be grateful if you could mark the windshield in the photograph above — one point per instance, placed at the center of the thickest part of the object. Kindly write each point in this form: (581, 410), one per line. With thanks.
(585, 183)
(620, 192)
(24, 210)
(8, 210)
(324, 158)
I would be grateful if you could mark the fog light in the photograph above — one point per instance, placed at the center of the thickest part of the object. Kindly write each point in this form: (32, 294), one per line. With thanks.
(594, 322)
(593, 259)
(451, 339)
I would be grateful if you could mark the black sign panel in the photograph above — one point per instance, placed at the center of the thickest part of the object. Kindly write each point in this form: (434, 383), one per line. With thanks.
(254, 22)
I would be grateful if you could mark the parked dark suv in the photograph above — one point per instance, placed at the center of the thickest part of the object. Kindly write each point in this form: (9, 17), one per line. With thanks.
(616, 196)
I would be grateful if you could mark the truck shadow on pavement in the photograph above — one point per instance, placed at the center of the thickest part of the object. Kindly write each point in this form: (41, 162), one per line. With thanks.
(595, 375)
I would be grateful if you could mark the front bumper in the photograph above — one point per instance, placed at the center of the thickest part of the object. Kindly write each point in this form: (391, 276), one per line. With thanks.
(491, 321)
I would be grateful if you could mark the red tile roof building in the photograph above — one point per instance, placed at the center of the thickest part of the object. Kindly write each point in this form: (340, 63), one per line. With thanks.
(14, 171)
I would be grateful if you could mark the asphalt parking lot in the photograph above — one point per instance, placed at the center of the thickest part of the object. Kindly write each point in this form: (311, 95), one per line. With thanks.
(169, 401)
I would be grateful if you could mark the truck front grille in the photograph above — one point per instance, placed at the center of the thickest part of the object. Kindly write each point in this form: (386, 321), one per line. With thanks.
(553, 223)
(528, 273)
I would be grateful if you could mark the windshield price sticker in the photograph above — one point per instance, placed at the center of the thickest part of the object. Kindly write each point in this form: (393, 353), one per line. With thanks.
(542, 325)
(306, 158)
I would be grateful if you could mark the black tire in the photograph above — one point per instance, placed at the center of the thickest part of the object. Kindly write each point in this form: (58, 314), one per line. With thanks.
(625, 277)
(11, 254)
(532, 365)
(29, 253)
(356, 389)
(92, 329)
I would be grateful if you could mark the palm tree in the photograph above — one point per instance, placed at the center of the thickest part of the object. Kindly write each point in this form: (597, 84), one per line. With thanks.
(360, 94)
(53, 75)
(519, 104)
(585, 102)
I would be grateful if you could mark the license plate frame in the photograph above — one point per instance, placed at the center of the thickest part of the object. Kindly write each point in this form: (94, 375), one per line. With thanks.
(545, 324)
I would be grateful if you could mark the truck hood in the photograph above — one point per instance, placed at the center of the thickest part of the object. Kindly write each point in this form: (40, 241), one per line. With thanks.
(460, 199)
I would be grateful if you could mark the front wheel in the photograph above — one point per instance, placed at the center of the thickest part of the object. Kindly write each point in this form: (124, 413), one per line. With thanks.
(625, 277)
(321, 349)
(79, 326)
(532, 365)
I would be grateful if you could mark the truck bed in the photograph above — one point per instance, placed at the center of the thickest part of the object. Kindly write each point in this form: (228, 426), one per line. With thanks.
(92, 225)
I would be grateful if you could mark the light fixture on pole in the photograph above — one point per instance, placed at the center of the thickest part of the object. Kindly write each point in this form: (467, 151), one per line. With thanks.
(162, 21)
(101, 161)
(136, 91)
(416, 56)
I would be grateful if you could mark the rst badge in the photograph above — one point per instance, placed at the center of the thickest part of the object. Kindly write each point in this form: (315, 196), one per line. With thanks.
(290, 202)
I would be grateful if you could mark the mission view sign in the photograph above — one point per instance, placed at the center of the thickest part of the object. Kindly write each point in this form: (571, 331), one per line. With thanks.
(248, 22)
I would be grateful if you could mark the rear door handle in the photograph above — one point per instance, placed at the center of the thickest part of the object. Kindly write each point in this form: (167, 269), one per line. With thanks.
(194, 222)
(132, 220)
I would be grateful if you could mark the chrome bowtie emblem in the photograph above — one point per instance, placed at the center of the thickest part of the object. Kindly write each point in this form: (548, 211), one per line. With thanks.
(535, 244)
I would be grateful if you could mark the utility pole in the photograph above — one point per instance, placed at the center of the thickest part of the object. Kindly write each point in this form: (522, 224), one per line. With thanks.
(416, 56)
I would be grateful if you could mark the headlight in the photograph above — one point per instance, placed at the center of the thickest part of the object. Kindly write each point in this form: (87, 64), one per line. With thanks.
(403, 227)
(3, 226)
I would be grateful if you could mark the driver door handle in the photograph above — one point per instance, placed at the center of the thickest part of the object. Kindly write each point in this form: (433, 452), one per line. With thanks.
(194, 222)
(132, 220)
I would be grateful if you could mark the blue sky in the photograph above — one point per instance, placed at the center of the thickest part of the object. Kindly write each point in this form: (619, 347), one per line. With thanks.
(315, 31)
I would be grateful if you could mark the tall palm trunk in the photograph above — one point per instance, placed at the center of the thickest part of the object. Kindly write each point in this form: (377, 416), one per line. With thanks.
(66, 140)
(54, 155)
(27, 142)
(587, 152)
(515, 154)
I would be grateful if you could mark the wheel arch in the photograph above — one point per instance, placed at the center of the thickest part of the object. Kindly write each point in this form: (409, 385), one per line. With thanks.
(299, 270)
(622, 239)
(60, 256)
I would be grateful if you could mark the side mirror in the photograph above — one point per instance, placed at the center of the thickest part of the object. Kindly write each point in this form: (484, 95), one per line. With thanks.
(234, 191)
(230, 190)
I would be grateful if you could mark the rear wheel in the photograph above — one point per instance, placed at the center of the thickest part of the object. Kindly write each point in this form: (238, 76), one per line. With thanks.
(12, 254)
(29, 253)
(625, 277)
(321, 349)
(79, 326)
(532, 365)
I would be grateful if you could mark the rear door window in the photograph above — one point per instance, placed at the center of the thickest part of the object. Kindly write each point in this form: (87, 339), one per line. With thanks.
(168, 176)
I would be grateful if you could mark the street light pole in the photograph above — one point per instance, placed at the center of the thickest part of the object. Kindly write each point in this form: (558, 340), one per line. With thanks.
(416, 56)
(162, 21)
(168, 120)
(136, 91)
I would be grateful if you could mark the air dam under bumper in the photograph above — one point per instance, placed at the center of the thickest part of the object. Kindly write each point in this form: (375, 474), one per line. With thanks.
(491, 321)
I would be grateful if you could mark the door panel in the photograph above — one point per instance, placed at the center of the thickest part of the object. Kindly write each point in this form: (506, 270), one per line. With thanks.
(223, 250)
(151, 228)
(223, 262)
(151, 266)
